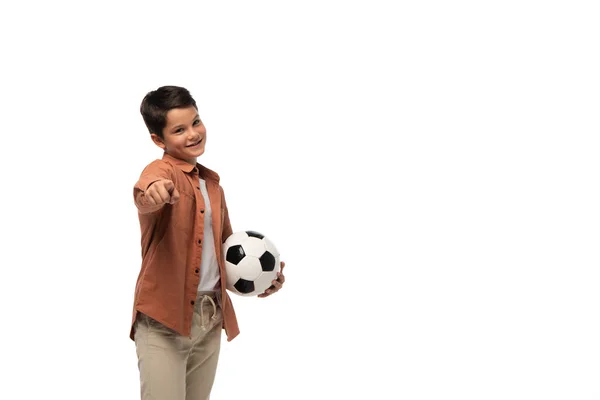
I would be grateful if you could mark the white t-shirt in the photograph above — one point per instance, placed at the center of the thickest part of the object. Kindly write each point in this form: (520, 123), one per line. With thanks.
(209, 268)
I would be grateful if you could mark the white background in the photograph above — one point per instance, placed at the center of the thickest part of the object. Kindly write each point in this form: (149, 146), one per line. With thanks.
(427, 169)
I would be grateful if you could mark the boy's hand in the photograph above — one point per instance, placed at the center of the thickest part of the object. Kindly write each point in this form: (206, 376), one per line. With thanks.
(276, 284)
(162, 192)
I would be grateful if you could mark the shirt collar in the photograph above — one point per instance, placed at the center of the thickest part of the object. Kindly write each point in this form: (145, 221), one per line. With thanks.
(199, 169)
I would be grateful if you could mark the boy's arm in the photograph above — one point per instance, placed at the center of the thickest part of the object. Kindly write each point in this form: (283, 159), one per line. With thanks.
(156, 171)
(227, 231)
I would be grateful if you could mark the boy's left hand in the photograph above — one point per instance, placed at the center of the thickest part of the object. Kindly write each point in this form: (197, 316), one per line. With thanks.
(276, 284)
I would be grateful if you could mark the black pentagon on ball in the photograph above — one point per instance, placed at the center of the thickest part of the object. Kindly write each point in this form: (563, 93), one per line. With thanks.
(244, 286)
(235, 254)
(267, 261)
(255, 234)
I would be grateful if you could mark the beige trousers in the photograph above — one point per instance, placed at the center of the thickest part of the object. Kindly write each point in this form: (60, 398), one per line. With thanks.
(175, 367)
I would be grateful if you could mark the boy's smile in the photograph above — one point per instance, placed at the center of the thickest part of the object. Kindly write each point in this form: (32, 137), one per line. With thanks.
(195, 144)
(184, 135)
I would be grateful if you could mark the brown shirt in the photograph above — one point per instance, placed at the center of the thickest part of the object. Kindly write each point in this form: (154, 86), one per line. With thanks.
(172, 239)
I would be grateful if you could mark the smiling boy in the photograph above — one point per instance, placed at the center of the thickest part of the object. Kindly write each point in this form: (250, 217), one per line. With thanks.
(180, 301)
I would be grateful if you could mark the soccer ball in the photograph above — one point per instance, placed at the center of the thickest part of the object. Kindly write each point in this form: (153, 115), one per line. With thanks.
(251, 263)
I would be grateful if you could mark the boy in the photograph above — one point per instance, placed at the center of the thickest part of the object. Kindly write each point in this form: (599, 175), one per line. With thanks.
(180, 302)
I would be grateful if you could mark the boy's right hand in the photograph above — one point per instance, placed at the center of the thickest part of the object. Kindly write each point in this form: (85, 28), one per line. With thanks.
(162, 192)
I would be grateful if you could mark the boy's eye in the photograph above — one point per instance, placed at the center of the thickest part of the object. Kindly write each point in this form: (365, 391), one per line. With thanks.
(179, 130)
(196, 122)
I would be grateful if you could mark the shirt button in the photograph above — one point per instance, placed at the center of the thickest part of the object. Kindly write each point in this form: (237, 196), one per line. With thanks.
(199, 241)
(197, 270)
(201, 211)
(198, 187)
(192, 302)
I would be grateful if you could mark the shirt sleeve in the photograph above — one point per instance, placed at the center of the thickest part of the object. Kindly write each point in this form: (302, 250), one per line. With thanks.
(227, 231)
(155, 171)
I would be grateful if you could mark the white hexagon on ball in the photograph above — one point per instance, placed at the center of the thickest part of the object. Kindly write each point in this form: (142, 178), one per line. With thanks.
(254, 246)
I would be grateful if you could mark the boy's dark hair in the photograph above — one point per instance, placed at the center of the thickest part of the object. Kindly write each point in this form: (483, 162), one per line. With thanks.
(157, 103)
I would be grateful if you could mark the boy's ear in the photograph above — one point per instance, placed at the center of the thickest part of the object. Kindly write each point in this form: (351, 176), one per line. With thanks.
(158, 141)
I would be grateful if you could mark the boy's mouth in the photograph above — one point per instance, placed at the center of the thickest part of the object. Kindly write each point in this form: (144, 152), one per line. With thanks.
(195, 144)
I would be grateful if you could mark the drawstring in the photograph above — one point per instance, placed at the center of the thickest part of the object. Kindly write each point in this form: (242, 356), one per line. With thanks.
(214, 317)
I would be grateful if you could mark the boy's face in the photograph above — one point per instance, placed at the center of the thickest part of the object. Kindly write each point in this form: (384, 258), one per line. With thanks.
(184, 135)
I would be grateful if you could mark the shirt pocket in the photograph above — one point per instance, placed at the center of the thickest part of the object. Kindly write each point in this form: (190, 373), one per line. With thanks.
(185, 188)
(182, 214)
